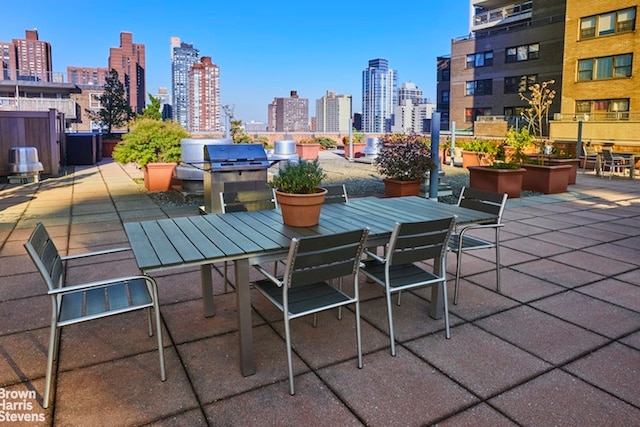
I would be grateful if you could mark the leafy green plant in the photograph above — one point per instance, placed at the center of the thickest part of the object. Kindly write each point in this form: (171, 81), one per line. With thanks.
(404, 157)
(480, 146)
(325, 142)
(150, 141)
(303, 177)
(519, 140)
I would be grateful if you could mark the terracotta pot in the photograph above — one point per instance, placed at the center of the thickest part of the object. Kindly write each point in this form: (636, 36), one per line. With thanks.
(474, 158)
(497, 180)
(398, 188)
(157, 176)
(308, 151)
(358, 149)
(546, 179)
(573, 173)
(108, 146)
(301, 210)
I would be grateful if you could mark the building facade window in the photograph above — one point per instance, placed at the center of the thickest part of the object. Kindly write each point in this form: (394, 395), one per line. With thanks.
(519, 84)
(94, 101)
(607, 109)
(481, 59)
(470, 114)
(479, 87)
(444, 96)
(523, 53)
(606, 67)
(608, 23)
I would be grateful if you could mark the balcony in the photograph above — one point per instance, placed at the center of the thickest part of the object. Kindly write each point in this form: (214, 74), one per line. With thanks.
(66, 106)
(509, 14)
(612, 116)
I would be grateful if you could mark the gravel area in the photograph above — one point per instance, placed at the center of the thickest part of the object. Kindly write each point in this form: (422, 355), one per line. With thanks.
(360, 178)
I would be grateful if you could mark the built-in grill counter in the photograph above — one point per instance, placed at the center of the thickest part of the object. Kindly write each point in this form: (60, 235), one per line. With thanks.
(232, 167)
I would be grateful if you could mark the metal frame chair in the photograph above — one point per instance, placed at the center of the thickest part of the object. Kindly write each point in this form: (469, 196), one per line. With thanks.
(335, 194)
(305, 288)
(243, 201)
(589, 154)
(396, 271)
(614, 163)
(461, 241)
(88, 301)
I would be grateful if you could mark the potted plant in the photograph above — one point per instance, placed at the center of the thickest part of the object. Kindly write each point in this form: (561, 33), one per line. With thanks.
(356, 142)
(298, 192)
(154, 145)
(505, 174)
(478, 152)
(404, 161)
(308, 149)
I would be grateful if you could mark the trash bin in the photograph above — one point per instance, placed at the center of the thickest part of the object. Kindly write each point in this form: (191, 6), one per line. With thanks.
(82, 148)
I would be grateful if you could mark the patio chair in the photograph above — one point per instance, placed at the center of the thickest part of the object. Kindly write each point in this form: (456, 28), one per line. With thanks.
(462, 241)
(335, 194)
(88, 301)
(614, 163)
(397, 270)
(244, 201)
(589, 155)
(305, 287)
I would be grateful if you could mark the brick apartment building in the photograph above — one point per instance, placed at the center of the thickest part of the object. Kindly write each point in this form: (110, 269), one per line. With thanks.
(129, 61)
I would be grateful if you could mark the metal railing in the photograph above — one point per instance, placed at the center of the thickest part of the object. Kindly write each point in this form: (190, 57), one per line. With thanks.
(614, 116)
(502, 13)
(27, 75)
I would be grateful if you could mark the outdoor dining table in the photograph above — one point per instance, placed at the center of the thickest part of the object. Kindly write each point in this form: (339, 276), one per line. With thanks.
(250, 238)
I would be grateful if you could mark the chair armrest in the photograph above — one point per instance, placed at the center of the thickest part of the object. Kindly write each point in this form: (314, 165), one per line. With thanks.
(98, 283)
(374, 256)
(88, 254)
(478, 226)
(268, 275)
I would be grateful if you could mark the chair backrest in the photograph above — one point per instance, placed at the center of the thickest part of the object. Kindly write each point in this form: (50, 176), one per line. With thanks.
(589, 151)
(606, 154)
(335, 194)
(248, 200)
(483, 201)
(318, 258)
(419, 241)
(45, 256)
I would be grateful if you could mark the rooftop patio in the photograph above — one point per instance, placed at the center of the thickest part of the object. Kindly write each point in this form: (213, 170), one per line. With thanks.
(559, 346)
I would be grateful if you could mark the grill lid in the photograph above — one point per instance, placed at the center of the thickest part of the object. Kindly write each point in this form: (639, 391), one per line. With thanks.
(236, 156)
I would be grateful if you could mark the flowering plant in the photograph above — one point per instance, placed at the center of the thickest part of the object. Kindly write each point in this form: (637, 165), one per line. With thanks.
(404, 157)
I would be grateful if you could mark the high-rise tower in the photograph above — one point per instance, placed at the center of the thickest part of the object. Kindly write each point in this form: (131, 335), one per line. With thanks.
(183, 57)
(204, 97)
(333, 113)
(129, 61)
(26, 59)
(379, 95)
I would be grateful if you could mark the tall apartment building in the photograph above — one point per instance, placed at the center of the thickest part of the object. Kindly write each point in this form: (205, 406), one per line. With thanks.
(409, 90)
(410, 117)
(600, 85)
(26, 59)
(129, 61)
(510, 46)
(291, 114)
(333, 113)
(443, 90)
(379, 95)
(204, 97)
(183, 57)
(87, 76)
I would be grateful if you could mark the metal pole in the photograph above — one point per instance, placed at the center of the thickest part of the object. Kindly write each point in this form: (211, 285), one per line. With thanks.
(453, 143)
(350, 139)
(435, 148)
(579, 143)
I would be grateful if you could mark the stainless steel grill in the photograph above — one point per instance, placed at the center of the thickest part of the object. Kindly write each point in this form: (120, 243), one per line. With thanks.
(232, 167)
(24, 165)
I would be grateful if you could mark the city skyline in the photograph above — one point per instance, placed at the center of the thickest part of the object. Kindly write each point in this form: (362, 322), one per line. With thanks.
(262, 53)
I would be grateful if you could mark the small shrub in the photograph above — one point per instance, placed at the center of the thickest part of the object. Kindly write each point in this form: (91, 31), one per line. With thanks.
(299, 178)
(404, 157)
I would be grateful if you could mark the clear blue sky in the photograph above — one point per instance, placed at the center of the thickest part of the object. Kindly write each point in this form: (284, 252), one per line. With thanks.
(264, 49)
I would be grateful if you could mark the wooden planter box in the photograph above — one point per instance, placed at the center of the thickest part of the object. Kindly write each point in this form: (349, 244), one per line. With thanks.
(308, 151)
(546, 179)
(497, 180)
